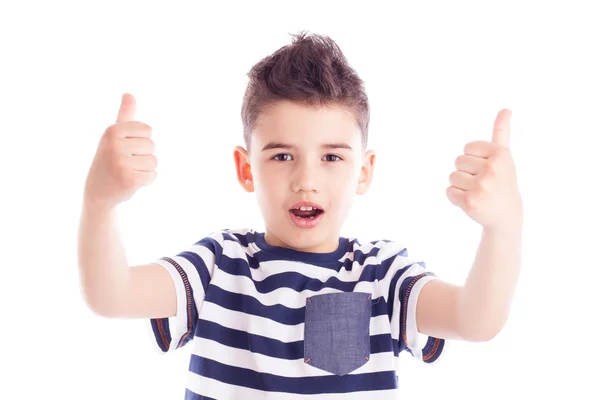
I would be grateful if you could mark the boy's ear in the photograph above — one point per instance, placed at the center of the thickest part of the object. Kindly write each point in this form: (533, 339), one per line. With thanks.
(242, 167)
(366, 172)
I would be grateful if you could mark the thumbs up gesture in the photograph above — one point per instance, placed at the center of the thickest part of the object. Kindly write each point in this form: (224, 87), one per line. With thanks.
(484, 184)
(124, 159)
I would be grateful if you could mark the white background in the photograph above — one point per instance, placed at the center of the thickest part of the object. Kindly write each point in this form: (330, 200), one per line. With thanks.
(436, 73)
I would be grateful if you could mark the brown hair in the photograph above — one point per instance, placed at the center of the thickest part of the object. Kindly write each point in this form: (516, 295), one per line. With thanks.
(311, 71)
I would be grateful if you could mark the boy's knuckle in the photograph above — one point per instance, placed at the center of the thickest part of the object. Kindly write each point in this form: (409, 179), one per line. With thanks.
(151, 145)
(153, 161)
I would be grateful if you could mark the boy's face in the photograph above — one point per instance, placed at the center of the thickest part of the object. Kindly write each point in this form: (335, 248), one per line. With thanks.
(302, 153)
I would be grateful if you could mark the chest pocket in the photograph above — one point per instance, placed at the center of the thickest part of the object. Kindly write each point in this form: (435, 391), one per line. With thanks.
(337, 335)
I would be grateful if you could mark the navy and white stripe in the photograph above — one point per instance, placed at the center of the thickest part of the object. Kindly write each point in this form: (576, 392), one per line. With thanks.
(241, 303)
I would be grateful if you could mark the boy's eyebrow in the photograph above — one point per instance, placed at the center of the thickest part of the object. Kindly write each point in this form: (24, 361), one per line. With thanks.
(277, 145)
(336, 146)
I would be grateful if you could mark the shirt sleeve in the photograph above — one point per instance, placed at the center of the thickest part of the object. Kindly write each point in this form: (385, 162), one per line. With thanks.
(407, 278)
(191, 270)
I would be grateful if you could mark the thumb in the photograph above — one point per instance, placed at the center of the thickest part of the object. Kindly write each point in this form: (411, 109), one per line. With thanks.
(127, 109)
(501, 133)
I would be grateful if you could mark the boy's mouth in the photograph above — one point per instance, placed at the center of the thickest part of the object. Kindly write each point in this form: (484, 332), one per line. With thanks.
(306, 210)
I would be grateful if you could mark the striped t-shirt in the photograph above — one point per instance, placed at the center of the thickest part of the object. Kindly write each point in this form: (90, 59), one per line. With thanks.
(268, 322)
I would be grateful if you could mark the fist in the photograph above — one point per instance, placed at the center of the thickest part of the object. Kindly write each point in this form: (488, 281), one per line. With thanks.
(124, 159)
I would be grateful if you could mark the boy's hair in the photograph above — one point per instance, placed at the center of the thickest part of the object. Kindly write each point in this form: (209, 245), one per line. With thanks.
(311, 71)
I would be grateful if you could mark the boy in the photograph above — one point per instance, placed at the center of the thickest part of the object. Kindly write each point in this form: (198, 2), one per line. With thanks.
(298, 311)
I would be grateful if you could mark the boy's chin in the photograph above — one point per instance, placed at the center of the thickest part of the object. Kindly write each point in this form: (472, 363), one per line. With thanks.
(311, 240)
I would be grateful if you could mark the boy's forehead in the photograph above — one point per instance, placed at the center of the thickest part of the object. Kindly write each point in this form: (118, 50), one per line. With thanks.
(295, 123)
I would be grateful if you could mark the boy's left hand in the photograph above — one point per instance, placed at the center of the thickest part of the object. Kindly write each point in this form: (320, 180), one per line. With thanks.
(485, 183)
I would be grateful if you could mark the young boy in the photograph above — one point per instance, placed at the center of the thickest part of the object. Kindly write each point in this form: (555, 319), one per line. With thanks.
(298, 311)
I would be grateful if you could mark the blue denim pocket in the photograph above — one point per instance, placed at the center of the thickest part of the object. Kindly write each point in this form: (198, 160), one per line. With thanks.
(337, 336)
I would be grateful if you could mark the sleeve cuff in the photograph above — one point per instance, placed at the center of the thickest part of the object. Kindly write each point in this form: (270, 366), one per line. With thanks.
(423, 347)
(170, 333)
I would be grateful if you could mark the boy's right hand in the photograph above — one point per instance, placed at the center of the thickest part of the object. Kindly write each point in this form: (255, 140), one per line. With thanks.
(124, 160)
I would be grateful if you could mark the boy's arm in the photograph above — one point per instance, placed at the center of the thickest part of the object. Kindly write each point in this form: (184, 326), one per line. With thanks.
(478, 310)
(485, 188)
(109, 286)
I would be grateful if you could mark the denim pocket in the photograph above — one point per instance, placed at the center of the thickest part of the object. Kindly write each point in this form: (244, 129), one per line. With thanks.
(337, 336)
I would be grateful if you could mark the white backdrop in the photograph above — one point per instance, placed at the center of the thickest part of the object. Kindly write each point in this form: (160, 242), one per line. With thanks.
(436, 73)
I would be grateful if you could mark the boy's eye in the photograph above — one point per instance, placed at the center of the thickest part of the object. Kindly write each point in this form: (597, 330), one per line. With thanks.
(332, 157)
(284, 157)
(278, 157)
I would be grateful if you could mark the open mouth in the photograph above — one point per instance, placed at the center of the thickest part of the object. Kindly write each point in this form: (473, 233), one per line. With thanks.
(306, 212)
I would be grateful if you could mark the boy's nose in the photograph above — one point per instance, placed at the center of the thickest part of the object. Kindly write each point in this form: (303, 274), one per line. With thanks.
(304, 179)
